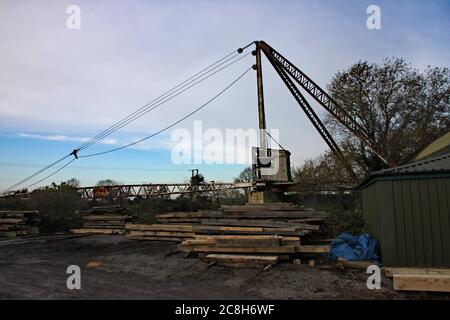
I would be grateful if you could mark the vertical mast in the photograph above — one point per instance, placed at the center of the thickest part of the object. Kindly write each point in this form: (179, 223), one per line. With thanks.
(261, 112)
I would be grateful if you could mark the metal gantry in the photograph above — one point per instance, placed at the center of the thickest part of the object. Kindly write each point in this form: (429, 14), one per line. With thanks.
(155, 190)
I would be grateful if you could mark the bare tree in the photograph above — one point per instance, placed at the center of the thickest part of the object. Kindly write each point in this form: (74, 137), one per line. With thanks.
(402, 109)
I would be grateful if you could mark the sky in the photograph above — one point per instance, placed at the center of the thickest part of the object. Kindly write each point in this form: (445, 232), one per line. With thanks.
(61, 86)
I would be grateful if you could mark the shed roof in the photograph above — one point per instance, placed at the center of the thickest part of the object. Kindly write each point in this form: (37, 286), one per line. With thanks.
(432, 165)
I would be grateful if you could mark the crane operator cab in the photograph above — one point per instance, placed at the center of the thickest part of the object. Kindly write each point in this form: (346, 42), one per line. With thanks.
(271, 165)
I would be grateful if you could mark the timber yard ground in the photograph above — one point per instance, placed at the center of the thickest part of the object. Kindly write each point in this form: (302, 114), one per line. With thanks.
(113, 267)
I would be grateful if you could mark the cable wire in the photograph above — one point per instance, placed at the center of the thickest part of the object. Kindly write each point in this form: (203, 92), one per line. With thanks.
(274, 140)
(166, 99)
(171, 125)
(35, 174)
(52, 174)
(143, 110)
(239, 51)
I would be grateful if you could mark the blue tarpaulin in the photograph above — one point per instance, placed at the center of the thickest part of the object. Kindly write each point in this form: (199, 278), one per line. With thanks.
(362, 247)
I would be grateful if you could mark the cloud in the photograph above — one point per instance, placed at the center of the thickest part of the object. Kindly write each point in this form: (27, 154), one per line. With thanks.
(60, 137)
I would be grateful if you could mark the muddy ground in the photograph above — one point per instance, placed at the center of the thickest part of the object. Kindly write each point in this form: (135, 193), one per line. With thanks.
(113, 267)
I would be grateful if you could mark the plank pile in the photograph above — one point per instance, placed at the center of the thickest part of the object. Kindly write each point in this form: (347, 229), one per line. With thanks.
(241, 235)
(161, 232)
(105, 220)
(19, 223)
(419, 279)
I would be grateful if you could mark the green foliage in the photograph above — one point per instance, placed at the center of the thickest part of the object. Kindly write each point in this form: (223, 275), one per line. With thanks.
(349, 221)
(58, 207)
(232, 197)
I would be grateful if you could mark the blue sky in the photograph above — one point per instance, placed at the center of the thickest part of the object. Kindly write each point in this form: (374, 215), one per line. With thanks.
(59, 87)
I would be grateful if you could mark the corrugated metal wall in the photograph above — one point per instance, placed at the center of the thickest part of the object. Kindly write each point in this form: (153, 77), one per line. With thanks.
(410, 216)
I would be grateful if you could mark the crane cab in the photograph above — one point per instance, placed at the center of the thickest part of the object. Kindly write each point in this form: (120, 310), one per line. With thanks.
(271, 165)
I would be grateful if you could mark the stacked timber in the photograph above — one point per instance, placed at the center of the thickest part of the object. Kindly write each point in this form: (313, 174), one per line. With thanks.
(161, 232)
(19, 223)
(105, 220)
(241, 235)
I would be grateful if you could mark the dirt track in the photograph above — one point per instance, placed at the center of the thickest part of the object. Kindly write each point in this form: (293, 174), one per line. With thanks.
(128, 269)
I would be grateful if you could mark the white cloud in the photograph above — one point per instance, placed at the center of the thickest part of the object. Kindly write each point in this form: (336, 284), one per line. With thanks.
(59, 137)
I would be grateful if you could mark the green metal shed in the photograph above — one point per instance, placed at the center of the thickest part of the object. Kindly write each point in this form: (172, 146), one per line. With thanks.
(407, 208)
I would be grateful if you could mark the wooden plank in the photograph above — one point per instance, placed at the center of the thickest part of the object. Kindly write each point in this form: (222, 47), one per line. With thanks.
(363, 264)
(101, 226)
(7, 227)
(195, 214)
(158, 227)
(97, 231)
(10, 220)
(258, 223)
(201, 229)
(179, 221)
(107, 217)
(239, 237)
(241, 259)
(313, 249)
(8, 234)
(198, 241)
(171, 239)
(273, 214)
(162, 234)
(244, 241)
(209, 248)
(389, 272)
(422, 282)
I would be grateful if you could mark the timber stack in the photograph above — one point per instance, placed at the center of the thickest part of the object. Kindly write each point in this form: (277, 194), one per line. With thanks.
(19, 223)
(242, 235)
(105, 220)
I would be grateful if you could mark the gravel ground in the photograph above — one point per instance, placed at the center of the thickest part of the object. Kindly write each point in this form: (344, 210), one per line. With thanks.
(113, 267)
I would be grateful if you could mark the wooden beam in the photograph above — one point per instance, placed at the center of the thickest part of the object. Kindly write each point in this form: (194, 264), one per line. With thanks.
(389, 272)
(158, 227)
(162, 234)
(211, 248)
(313, 249)
(97, 231)
(422, 282)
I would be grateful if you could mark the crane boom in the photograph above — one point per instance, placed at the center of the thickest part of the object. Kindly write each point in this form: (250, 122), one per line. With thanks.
(340, 114)
(314, 118)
